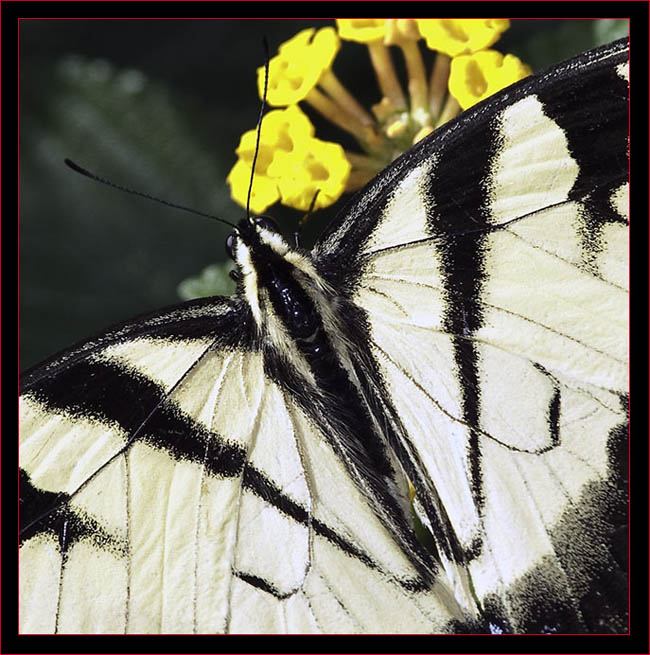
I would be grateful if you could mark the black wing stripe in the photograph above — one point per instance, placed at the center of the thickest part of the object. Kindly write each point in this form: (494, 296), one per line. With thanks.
(462, 263)
(586, 198)
(595, 98)
(115, 394)
(67, 524)
(196, 319)
(263, 585)
(578, 104)
(101, 390)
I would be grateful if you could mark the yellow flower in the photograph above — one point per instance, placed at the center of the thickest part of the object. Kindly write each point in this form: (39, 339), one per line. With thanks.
(475, 77)
(303, 71)
(291, 164)
(295, 167)
(391, 31)
(286, 129)
(362, 30)
(457, 36)
(319, 167)
(264, 193)
(283, 131)
(301, 61)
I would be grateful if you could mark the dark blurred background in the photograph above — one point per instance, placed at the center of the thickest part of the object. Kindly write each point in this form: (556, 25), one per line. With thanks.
(160, 105)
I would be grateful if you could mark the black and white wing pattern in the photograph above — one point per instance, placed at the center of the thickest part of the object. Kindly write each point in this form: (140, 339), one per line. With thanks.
(169, 485)
(494, 280)
(244, 464)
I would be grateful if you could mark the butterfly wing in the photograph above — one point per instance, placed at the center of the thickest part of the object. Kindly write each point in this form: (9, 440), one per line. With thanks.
(81, 415)
(168, 484)
(490, 265)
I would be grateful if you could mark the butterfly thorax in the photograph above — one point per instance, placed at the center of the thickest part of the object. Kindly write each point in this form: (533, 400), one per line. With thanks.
(298, 320)
(289, 301)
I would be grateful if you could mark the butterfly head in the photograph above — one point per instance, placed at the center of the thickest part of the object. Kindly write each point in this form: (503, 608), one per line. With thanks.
(258, 248)
(255, 240)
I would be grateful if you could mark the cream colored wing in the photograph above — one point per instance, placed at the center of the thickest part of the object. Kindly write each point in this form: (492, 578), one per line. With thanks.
(210, 503)
(495, 286)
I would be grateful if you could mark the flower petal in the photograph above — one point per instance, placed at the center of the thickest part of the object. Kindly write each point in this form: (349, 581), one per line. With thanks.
(456, 36)
(298, 66)
(362, 30)
(264, 193)
(475, 77)
(321, 167)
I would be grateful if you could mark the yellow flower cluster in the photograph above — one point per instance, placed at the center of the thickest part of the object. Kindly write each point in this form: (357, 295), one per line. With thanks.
(293, 165)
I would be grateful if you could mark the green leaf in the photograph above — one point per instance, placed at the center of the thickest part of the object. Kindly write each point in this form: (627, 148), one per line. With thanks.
(213, 280)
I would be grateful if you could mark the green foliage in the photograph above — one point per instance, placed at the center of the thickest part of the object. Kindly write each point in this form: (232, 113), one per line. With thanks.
(610, 29)
(213, 280)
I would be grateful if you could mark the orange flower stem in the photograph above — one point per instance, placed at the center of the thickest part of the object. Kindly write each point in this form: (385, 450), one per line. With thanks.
(331, 84)
(386, 76)
(438, 83)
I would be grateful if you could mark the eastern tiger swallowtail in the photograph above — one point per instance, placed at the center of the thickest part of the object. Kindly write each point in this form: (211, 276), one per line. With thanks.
(243, 464)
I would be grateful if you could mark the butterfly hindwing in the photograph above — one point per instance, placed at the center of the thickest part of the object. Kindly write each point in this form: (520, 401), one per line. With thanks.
(173, 487)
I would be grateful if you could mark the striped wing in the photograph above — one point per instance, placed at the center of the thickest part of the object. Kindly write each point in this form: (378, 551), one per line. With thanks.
(493, 275)
(169, 485)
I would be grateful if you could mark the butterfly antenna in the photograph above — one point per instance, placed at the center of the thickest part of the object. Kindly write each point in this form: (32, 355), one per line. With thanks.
(303, 221)
(259, 126)
(97, 178)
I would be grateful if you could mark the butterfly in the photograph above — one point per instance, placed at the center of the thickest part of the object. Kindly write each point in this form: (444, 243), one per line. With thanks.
(418, 426)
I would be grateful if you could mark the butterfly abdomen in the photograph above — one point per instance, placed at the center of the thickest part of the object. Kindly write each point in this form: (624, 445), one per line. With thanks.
(307, 351)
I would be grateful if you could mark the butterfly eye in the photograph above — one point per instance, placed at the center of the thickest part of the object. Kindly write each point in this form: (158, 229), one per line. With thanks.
(230, 246)
(267, 223)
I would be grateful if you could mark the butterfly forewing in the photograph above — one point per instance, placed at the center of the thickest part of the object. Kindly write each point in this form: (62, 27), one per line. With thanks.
(494, 280)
